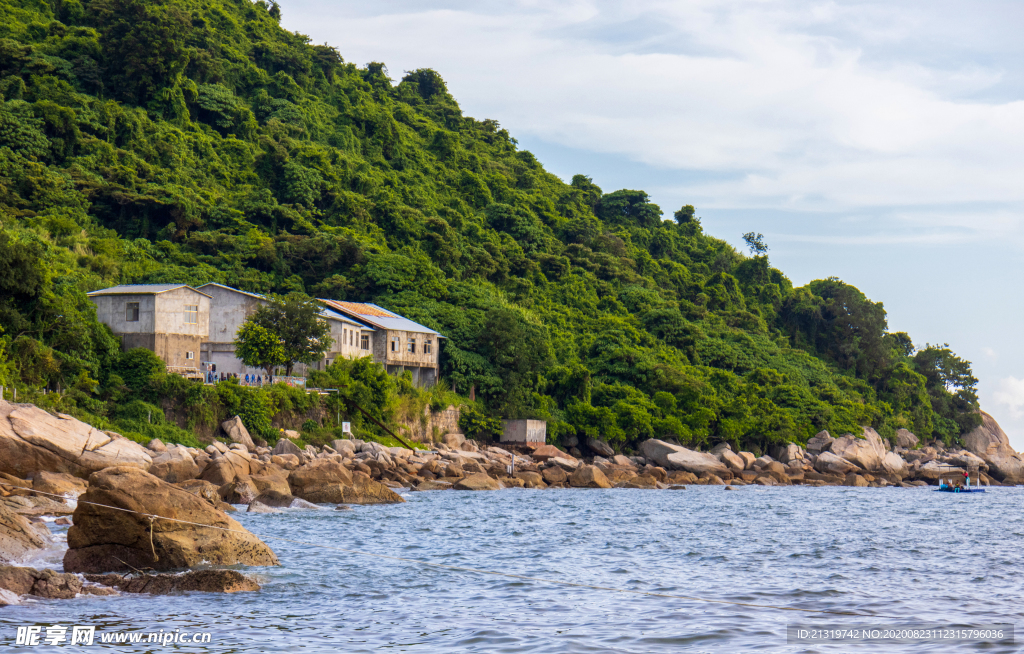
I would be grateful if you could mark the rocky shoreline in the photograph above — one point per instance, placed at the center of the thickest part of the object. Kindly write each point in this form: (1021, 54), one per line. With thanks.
(56, 468)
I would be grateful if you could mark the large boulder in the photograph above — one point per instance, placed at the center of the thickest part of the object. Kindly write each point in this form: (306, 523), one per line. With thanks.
(477, 482)
(866, 453)
(894, 464)
(175, 465)
(40, 583)
(587, 476)
(531, 479)
(554, 475)
(856, 480)
(828, 463)
(600, 448)
(204, 581)
(545, 452)
(748, 459)
(59, 483)
(32, 440)
(990, 443)
(328, 481)
(676, 457)
(285, 446)
(788, 452)
(906, 439)
(317, 479)
(237, 432)
(658, 451)
(226, 468)
(733, 461)
(106, 539)
(19, 537)
(820, 442)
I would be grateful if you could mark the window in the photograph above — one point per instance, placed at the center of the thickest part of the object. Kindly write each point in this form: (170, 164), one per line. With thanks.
(192, 314)
(190, 356)
(351, 337)
(365, 341)
(131, 312)
(412, 345)
(428, 346)
(395, 343)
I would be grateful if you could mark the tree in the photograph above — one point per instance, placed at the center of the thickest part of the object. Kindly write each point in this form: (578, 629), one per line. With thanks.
(686, 215)
(259, 347)
(294, 320)
(756, 243)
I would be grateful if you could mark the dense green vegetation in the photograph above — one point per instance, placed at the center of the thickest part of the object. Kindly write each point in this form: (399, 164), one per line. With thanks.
(185, 141)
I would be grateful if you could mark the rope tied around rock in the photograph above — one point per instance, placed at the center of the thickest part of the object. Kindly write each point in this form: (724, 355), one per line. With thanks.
(558, 582)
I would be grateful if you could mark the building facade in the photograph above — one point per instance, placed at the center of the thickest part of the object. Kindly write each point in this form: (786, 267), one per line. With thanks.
(230, 308)
(399, 344)
(171, 320)
(351, 339)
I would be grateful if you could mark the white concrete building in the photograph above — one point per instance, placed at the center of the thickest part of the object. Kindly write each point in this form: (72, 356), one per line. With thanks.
(172, 320)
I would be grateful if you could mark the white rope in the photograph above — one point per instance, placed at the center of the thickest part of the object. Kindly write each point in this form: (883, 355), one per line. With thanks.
(556, 582)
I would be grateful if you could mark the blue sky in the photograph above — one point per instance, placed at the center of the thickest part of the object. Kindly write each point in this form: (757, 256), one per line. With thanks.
(880, 142)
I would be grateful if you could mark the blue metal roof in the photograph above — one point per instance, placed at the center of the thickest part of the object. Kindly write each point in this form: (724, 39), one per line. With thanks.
(142, 289)
(377, 316)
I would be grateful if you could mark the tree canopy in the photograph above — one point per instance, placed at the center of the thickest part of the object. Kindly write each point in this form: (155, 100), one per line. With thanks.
(146, 141)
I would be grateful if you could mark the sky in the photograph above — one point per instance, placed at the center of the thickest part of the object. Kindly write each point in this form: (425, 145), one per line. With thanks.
(878, 142)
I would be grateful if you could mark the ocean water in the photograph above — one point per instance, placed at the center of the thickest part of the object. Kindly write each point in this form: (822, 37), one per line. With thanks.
(906, 557)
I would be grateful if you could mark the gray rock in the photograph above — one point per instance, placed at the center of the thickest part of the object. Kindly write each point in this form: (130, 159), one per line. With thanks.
(175, 465)
(721, 447)
(286, 446)
(820, 442)
(343, 446)
(787, 453)
(733, 461)
(866, 453)
(19, 537)
(32, 440)
(905, 438)
(829, 463)
(894, 464)
(600, 447)
(989, 442)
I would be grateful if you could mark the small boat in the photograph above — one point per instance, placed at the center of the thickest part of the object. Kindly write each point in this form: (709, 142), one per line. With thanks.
(953, 484)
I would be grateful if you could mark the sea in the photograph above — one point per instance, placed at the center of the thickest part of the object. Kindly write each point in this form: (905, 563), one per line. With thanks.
(758, 569)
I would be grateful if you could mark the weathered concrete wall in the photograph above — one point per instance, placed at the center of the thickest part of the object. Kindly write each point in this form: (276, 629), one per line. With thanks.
(524, 431)
(397, 351)
(392, 349)
(111, 311)
(228, 311)
(171, 317)
(174, 349)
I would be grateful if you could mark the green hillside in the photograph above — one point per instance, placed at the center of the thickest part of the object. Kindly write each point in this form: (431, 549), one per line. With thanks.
(184, 141)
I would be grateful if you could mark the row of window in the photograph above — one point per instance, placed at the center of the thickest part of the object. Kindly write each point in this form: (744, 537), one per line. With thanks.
(131, 314)
(396, 345)
(348, 337)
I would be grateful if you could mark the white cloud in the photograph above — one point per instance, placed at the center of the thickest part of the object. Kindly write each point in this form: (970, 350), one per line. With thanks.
(818, 106)
(1011, 395)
